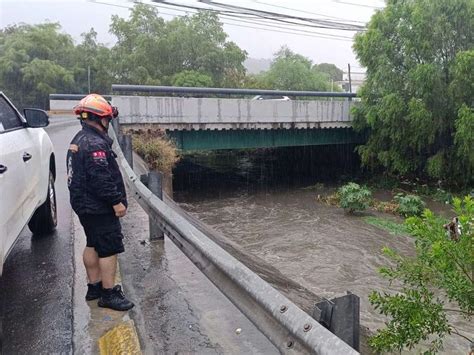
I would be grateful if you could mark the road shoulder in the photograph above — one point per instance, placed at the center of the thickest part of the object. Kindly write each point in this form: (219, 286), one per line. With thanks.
(178, 310)
(97, 330)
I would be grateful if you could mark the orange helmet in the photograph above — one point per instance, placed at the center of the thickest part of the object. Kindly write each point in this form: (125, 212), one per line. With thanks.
(97, 105)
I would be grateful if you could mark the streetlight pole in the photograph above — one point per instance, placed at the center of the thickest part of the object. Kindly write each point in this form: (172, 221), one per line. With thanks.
(89, 78)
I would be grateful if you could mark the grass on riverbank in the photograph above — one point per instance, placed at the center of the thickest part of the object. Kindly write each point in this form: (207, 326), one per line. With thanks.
(334, 199)
(392, 227)
(435, 190)
(158, 151)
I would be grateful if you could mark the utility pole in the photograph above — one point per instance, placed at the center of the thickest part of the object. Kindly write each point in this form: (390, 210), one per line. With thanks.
(332, 87)
(349, 74)
(89, 78)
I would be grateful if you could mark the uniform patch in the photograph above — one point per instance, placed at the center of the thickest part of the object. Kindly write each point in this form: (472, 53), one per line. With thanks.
(99, 154)
(74, 148)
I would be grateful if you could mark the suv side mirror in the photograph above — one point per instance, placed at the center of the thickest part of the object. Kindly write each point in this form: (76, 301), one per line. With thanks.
(36, 118)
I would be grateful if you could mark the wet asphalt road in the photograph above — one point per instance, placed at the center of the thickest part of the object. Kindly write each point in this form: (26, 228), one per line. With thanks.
(36, 285)
(177, 309)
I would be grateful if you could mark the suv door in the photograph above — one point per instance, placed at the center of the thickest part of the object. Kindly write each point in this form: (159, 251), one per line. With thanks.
(33, 171)
(12, 176)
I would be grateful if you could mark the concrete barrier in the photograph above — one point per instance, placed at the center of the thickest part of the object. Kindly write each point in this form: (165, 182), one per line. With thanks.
(62, 107)
(180, 113)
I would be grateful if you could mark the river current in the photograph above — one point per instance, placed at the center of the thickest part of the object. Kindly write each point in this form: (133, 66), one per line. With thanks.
(267, 203)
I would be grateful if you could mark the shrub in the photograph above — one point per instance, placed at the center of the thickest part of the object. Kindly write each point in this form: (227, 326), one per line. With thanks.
(354, 197)
(443, 196)
(434, 283)
(158, 151)
(409, 205)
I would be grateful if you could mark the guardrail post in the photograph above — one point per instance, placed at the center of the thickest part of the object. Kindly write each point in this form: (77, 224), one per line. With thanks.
(341, 316)
(154, 182)
(125, 142)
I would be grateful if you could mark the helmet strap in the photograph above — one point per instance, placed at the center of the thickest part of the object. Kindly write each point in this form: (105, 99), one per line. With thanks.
(105, 128)
(95, 118)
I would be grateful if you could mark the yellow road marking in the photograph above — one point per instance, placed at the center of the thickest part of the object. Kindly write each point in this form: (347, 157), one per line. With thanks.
(121, 339)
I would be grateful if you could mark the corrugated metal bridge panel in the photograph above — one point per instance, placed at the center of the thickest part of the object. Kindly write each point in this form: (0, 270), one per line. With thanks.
(241, 139)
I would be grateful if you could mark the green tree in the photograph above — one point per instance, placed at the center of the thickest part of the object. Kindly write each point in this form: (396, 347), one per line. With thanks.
(43, 77)
(291, 71)
(34, 62)
(418, 56)
(234, 70)
(439, 276)
(199, 43)
(253, 81)
(333, 72)
(462, 89)
(138, 53)
(151, 51)
(95, 57)
(464, 137)
(191, 78)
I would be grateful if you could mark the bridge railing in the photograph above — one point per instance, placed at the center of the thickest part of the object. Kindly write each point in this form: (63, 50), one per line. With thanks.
(120, 88)
(185, 108)
(190, 108)
(288, 327)
(62, 104)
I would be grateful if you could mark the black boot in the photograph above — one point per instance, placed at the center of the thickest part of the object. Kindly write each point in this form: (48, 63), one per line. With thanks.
(114, 298)
(93, 291)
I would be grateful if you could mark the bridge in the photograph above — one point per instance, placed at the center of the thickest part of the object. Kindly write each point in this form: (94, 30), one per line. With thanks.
(209, 123)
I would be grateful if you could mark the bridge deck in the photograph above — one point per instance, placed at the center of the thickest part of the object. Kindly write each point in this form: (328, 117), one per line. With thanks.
(180, 113)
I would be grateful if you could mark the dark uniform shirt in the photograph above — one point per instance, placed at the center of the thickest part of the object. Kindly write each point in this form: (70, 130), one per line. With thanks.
(94, 179)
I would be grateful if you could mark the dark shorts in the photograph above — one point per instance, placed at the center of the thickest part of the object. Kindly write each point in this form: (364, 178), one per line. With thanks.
(104, 233)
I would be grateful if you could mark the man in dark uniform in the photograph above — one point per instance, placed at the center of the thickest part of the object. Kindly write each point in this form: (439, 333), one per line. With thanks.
(97, 195)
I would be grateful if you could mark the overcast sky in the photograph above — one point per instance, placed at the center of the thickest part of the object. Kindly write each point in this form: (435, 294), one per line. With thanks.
(78, 16)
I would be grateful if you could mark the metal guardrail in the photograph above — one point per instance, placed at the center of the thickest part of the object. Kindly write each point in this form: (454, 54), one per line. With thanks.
(73, 97)
(288, 327)
(225, 91)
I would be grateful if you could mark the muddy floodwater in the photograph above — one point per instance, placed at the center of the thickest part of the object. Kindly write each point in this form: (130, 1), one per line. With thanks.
(260, 204)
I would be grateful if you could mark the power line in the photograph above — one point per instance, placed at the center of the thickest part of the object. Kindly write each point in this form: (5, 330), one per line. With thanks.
(292, 32)
(278, 28)
(288, 32)
(271, 16)
(330, 24)
(266, 24)
(109, 4)
(357, 4)
(306, 12)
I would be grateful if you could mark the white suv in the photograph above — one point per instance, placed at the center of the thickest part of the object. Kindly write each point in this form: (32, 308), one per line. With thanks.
(27, 174)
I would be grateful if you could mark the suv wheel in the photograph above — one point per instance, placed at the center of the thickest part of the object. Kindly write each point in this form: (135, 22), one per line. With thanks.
(45, 218)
